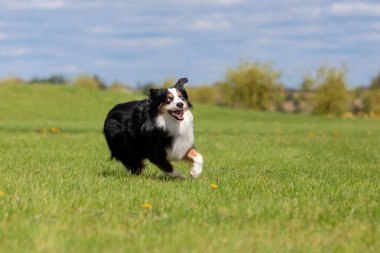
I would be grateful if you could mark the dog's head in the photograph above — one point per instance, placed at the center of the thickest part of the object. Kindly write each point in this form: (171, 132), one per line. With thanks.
(173, 101)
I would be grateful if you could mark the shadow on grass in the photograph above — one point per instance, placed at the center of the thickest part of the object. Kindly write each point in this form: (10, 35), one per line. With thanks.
(123, 174)
(111, 173)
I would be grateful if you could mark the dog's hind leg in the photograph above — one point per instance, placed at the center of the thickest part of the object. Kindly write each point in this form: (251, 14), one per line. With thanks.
(196, 158)
(134, 164)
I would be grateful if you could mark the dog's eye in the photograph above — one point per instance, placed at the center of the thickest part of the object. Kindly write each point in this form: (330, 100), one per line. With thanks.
(182, 97)
(168, 100)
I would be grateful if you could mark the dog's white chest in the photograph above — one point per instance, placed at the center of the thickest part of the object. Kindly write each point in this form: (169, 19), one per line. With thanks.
(181, 145)
(183, 135)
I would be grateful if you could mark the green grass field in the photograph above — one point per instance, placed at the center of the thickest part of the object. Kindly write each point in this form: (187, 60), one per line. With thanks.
(286, 183)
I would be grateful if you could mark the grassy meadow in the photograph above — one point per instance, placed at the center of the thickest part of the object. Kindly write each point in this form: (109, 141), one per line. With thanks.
(285, 183)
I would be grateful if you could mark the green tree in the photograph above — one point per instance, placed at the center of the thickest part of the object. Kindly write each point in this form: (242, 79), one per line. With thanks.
(331, 94)
(372, 101)
(375, 83)
(168, 83)
(87, 81)
(53, 79)
(13, 80)
(204, 94)
(372, 96)
(308, 83)
(119, 86)
(254, 86)
(143, 88)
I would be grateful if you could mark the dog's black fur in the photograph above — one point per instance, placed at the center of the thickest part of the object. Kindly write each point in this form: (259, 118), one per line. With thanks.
(132, 134)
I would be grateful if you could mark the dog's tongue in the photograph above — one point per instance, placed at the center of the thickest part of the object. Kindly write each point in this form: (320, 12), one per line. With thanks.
(177, 113)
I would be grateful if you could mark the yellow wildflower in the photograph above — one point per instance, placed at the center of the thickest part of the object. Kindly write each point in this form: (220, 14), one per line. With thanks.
(214, 186)
(261, 180)
(2, 193)
(147, 206)
(54, 130)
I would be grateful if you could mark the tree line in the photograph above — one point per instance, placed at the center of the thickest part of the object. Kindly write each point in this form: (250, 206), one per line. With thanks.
(258, 86)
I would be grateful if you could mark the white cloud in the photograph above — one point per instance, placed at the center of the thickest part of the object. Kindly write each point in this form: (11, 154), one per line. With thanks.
(373, 37)
(102, 4)
(101, 63)
(314, 44)
(375, 26)
(292, 30)
(354, 9)
(102, 30)
(216, 2)
(12, 52)
(15, 36)
(209, 24)
(3, 36)
(149, 42)
(307, 11)
(23, 51)
(50, 52)
(33, 4)
(69, 68)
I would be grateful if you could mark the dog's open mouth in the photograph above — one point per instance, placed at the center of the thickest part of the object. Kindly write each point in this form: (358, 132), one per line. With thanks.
(178, 115)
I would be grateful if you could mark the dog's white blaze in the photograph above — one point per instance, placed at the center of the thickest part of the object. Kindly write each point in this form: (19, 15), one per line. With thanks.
(173, 105)
(176, 99)
(196, 170)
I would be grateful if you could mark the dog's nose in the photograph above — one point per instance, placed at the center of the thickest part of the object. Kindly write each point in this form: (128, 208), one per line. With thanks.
(179, 104)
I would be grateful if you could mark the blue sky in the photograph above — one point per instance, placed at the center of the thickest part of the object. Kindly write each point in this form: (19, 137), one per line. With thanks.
(138, 41)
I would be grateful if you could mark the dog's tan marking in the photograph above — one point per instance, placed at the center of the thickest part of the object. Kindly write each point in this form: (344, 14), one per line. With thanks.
(196, 159)
(191, 154)
(162, 108)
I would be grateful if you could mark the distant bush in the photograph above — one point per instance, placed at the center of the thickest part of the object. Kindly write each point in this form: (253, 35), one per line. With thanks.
(330, 94)
(372, 101)
(144, 88)
(308, 83)
(54, 79)
(87, 81)
(168, 83)
(375, 83)
(12, 80)
(356, 100)
(117, 86)
(254, 86)
(372, 96)
(204, 94)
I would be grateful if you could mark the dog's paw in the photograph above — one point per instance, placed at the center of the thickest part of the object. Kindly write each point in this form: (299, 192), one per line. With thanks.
(175, 174)
(195, 171)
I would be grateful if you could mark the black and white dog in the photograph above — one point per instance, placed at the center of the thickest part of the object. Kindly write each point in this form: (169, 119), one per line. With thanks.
(159, 128)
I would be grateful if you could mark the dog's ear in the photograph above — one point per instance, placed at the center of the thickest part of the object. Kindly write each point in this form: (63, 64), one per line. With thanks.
(180, 83)
(156, 93)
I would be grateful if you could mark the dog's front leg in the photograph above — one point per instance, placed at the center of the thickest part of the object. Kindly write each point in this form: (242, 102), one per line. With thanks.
(167, 168)
(196, 158)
